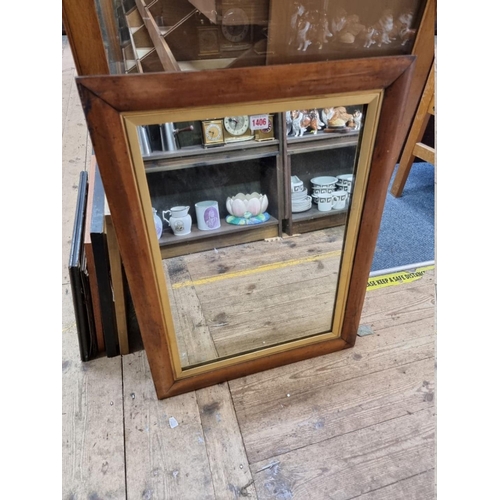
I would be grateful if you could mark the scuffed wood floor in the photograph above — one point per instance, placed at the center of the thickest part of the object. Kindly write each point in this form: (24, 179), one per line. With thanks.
(238, 299)
(355, 424)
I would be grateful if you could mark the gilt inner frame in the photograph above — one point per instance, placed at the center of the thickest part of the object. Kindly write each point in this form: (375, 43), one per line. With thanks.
(372, 100)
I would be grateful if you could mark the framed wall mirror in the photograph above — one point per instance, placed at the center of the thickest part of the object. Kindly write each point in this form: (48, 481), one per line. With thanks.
(246, 204)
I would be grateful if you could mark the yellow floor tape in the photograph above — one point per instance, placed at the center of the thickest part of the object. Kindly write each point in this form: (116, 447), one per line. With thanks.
(397, 278)
(259, 269)
(382, 281)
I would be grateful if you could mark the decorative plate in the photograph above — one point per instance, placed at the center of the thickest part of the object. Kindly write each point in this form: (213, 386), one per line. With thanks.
(302, 209)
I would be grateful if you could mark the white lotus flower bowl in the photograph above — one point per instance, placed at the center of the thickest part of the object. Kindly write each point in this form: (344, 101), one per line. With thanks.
(254, 203)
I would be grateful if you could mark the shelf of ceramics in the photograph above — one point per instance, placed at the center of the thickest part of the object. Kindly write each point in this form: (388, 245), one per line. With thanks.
(197, 156)
(168, 238)
(226, 235)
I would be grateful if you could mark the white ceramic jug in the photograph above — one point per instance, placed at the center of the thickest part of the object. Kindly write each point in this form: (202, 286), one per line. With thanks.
(180, 221)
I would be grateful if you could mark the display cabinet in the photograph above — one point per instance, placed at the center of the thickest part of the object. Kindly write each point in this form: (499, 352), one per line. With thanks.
(186, 168)
(195, 169)
(161, 35)
(100, 35)
(246, 194)
(330, 152)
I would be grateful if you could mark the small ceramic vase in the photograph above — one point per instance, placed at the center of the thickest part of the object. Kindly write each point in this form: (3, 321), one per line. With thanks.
(158, 224)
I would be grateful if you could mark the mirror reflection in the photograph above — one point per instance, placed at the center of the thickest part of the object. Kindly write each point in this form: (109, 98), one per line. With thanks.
(192, 35)
(250, 214)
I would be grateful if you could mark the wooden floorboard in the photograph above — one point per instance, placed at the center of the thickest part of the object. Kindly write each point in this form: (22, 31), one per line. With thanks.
(229, 466)
(357, 424)
(93, 464)
(418, 487)
(352, 464)
(166, 452)
(301, 418)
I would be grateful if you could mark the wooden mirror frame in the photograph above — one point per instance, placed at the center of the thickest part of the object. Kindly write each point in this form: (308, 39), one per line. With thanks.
(106, 98)
(370, 102)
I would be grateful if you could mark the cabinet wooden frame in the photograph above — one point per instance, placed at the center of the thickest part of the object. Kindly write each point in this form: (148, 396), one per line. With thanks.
(106, 99)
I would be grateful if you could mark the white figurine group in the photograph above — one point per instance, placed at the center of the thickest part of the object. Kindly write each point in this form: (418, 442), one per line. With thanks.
(298, 121)
(312, 27)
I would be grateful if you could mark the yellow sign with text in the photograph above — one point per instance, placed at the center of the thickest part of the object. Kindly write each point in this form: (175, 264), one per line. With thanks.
(398, 278)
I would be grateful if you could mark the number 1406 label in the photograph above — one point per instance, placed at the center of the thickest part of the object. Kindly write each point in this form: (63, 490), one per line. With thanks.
(259, 122)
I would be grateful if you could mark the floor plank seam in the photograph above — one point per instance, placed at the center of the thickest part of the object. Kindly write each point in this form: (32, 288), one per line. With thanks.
(241, 431)
(294, 450)
(319, 387)
(331, 384)
(392, 484)
(199, 301)
(402, 324)
(124, 429)
(205, 439)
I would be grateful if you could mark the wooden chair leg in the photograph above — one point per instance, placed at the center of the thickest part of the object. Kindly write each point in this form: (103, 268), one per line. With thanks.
(417, 130)
(407, 158)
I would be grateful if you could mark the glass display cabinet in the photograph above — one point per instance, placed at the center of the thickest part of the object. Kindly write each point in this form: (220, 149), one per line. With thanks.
(186, 35)
(246, 172)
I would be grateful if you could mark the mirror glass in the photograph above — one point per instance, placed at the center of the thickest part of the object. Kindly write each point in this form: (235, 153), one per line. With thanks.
(254, 211)
(145, 36)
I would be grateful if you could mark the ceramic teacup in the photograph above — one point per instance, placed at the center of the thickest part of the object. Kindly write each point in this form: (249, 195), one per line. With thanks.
(324, 189)
(324, 203)
(339, 200)
(345, 182)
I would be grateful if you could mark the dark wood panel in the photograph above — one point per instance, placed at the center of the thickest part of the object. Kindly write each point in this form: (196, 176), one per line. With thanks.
(82, 28)
(178, 90)
(102, 269)
(385, 153)
(312, 223)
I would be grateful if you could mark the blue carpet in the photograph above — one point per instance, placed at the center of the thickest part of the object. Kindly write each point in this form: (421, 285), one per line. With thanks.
(407, 229)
